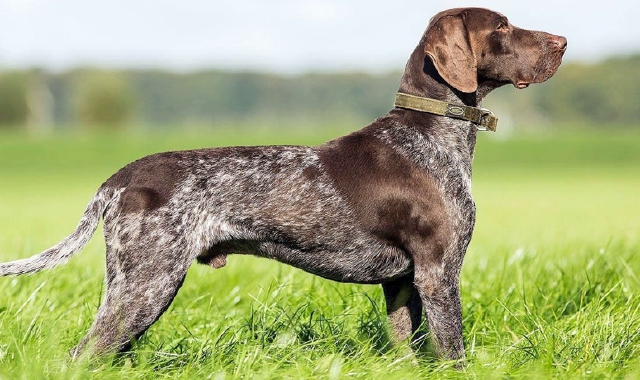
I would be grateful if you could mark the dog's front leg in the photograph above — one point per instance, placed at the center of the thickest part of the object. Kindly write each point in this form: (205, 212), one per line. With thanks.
(404, 308)
(440, 295)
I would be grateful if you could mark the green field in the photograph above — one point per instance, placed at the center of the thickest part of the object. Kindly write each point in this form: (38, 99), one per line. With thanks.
(549, 285)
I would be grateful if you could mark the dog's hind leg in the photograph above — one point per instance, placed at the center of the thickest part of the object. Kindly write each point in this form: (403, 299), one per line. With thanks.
(141, 283)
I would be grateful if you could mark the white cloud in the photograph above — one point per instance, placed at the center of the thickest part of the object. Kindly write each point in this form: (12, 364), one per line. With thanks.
(282, 35)
(246, 42)
(319, 10)
(16, 5)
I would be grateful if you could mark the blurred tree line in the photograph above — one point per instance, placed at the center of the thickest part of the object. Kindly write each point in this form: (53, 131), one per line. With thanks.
(600, 93)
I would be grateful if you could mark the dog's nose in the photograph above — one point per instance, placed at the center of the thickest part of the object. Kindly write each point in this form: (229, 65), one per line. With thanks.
(560, 42)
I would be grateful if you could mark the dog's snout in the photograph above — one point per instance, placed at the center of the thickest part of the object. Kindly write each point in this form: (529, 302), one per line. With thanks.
(560, 42)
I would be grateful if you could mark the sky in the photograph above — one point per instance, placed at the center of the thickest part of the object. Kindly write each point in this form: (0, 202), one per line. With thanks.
(282, 36)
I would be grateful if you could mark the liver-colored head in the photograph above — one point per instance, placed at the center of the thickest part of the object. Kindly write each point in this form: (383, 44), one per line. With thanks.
(468, 45)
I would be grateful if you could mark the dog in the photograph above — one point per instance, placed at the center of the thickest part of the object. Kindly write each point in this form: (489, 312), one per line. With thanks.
(389, 204)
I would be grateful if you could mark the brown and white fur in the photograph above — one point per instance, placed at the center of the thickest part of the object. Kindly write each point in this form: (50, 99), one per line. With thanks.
(390, 204)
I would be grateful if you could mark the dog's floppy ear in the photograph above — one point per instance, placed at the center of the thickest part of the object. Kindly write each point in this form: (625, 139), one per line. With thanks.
(448, 46)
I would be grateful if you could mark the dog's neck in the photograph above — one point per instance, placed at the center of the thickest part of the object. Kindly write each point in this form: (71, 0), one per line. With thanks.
(421, 78)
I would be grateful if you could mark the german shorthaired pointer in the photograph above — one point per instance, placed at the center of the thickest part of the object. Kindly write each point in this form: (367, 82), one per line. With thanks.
(390, 204)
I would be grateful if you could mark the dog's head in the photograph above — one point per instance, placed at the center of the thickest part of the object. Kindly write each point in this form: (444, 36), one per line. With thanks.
(471, 45)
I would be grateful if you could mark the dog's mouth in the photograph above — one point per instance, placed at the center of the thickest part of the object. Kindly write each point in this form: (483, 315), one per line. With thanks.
(522, 83)
(545, 68)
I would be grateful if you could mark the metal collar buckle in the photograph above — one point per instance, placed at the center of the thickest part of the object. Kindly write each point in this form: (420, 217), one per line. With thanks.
(488, 121)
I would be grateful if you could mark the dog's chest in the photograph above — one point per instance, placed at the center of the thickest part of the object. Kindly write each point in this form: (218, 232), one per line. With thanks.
(446, 159)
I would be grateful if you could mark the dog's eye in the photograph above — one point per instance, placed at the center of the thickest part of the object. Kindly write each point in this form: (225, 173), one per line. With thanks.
(502, 26)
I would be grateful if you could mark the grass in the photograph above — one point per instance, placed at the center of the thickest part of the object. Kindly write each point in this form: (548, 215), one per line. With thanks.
(549, 285)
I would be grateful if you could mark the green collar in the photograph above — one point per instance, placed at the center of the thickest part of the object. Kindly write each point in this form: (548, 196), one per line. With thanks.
(484, 119)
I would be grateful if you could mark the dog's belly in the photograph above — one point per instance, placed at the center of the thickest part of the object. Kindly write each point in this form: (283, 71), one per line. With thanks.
(366, 264)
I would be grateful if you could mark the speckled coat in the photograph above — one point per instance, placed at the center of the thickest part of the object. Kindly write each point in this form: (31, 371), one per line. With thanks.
(390, 204)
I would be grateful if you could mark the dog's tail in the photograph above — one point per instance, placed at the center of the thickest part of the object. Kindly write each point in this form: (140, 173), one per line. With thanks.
(62, 251)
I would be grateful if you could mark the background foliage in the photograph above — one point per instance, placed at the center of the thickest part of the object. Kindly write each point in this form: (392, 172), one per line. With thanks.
(595, 94)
